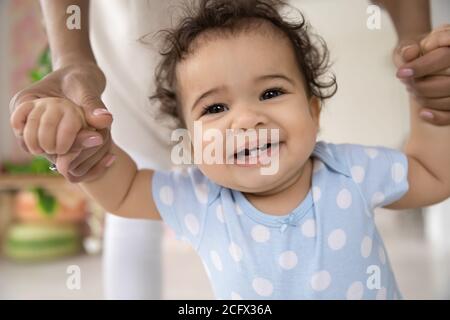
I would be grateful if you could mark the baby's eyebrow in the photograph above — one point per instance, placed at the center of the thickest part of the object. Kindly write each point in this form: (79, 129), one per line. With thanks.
(206, 94)
(275, 76)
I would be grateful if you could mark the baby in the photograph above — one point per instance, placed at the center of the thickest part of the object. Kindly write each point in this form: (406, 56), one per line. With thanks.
(305, 230)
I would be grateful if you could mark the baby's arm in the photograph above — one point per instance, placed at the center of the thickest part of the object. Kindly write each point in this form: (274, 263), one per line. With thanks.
(123, 189)
(428, 152)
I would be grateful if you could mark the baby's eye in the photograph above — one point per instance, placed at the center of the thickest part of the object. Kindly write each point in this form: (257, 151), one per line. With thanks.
(214, 108)
(271, 93)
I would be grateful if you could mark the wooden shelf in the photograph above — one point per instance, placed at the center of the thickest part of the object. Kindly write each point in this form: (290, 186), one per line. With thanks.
(19, 181)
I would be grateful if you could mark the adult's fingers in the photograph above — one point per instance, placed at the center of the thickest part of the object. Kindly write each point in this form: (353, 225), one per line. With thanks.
(84, 85)
(431, 87)
(87, 153)
(98, 170)
(431, 63)
(438, 104)
(89, 163)
(87, 139)
(97, 116)
(63, 162)
(435, 117)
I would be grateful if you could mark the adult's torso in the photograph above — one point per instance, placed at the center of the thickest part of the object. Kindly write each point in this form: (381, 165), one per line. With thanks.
(121, 37)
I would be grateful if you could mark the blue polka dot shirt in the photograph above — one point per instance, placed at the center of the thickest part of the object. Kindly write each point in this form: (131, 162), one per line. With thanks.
(326, 248)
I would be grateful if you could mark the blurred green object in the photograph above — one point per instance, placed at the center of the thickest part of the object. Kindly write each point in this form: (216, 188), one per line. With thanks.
(39, 165)
(31, 242)
(46, 203)
(43, 67)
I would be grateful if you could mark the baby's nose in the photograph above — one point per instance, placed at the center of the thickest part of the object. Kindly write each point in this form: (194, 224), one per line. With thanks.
(249, 119)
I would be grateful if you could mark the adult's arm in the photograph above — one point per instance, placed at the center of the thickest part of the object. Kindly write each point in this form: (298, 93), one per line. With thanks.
(411, 18)
(68, 46)
(77, 77)
(425, 72)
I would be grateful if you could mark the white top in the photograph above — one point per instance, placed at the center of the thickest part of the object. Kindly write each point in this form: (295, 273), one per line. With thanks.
(116, 27)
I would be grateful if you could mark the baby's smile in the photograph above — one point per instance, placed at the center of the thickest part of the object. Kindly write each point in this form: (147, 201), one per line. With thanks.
(252, 147)
(242, 91)
(257, 155)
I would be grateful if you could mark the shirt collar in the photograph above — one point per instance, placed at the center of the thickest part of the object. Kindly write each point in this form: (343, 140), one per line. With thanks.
(328, 155)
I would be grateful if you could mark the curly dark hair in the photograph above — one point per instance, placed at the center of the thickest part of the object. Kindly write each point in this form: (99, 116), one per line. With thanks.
(230, 16)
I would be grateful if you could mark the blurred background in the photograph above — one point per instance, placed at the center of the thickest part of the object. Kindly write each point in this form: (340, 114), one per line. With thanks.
(47, 225)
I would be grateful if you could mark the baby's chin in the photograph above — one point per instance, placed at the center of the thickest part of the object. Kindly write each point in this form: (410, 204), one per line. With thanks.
(249, 180)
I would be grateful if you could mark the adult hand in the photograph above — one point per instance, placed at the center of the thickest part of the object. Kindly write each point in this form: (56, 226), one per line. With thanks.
(83, 84)
(424, 67)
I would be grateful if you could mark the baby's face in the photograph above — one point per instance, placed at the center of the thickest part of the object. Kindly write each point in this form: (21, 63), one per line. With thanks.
(252, 81)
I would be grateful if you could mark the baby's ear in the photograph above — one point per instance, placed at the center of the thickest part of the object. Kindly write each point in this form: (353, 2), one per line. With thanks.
(315, 107)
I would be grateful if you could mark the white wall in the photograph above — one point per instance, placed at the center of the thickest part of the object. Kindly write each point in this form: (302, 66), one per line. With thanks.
(5, 132)
(371, 105)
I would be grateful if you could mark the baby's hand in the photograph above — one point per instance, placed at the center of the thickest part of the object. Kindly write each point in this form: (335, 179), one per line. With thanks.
(48, 125)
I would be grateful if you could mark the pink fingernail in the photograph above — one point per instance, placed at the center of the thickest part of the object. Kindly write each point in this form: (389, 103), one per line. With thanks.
(110, 161)
(92, 142)
(101, 112)
(405, 73)
(427, 115)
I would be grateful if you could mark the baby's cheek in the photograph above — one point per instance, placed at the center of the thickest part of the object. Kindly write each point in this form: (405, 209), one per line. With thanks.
(301, 149)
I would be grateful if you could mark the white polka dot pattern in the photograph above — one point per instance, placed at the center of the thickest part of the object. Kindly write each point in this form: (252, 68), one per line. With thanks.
(327, 243)
(262, 287)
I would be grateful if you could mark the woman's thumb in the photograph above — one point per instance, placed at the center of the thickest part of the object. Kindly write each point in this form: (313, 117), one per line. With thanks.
(97, 116)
